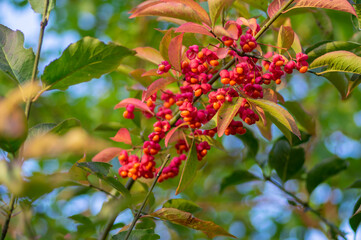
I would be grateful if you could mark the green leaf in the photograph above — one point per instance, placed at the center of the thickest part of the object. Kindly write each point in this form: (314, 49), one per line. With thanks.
(237, 177)
(285, 39)
(303, 118)
(164, 44)
(65, 125)
(190, 169)
(356, 184)
(355, 220)
(279, 116)
(77, 174)
(186, 219)
(117, 185)
(324, 170)
(137, 234)
(215, 9)
(40, 129)
(182, 204)
(99, 168)
(82, 219)
(339, 80)
(353, 83)
(81, 62)
(251, 142)
(357, 8)
(15, 61)
(285, 160)
(338, 61)
(39, 5)
(324, 47)
(145, 223)
(259, 4)
(111, 126)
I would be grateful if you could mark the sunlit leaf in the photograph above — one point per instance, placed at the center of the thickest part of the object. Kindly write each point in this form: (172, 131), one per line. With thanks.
(81, 62)
(279, 115)
(216, 7)
(340, 5)
(186, 219)
(164, 44)
(338, 61)
(15, 61)
(39, 5)
(286, 37)
(194, 28)
(183, 205)
(149, 54)
(324, 170)
(322, 48)
(237, 177)
(187, 10)
(170, 134)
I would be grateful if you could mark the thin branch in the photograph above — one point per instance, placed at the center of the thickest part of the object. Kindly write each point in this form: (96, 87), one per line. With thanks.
(8, 218)
(43, 24)
(307, 207)
(137, 216)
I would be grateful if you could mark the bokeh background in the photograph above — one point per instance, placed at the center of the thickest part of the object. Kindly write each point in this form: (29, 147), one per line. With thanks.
(255, 210)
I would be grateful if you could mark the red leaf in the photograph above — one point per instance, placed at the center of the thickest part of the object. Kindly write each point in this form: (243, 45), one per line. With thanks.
(251, 23)
(340, 5)
(182, 9)
(149, 54)
(156, 86)
(232, 30)
(226, 114)
(152, 72)
(222, 52)
(175, 52)
(107, 154)
(193, 28)
(171, 133)
(164, 44)
(136, 102)
(123, 136)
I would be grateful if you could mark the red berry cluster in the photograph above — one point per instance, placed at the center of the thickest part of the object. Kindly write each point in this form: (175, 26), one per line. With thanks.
(198, 68)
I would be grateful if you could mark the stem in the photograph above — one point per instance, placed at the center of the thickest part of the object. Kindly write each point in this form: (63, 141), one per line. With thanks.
(272, 19)
(137, 216)
(307, 207)
(8, 218)
(43, 24)
(113, 217)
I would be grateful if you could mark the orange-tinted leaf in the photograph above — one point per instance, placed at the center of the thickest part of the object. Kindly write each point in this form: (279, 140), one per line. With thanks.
(279, 116)
(270, 94)
(226, 114)
(188, 220)
(251, 23)
(296, 46)
(286, 37)
(171, 133)
(149, 54)
(265, 130)
(136, 102)
(232, 29)
(190, 169)
(123, 136)
(107, 154)
(138, 74)
(164, 44)
(156, 86)
(175, 52)
(216, 7)
(187, 10)
(193, 28)
(340, 5)
(221, 31)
